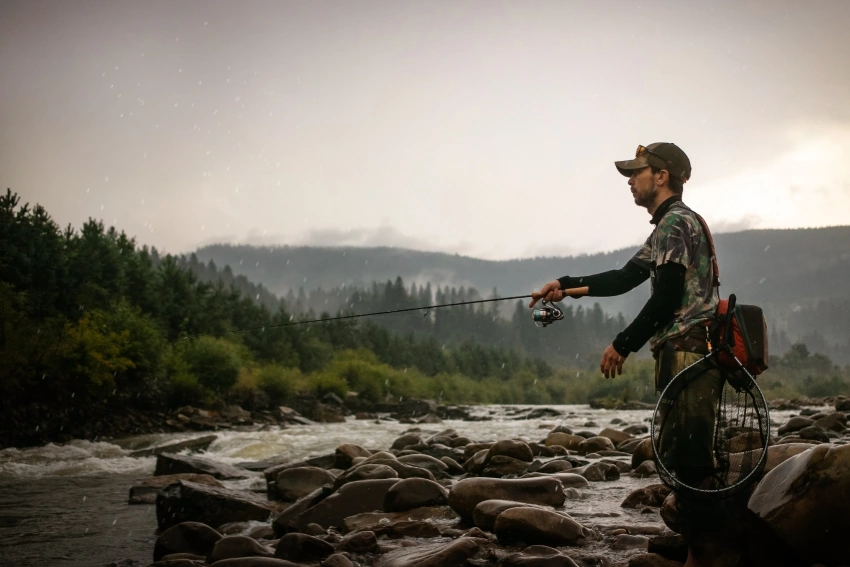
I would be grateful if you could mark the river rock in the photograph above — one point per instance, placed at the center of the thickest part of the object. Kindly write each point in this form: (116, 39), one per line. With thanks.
(292, 484)
(322, 462)
(484, 515)
(836, 421)
(185, 501)
(251, 562)
(814, 433)
(537, 556)
(645, 470)
(359, 542)
(652, 560)
(353, 498)
(502, 465)
(594, 444)
(643, 452)
(453, 554)
(567, 479)
(364, 472)
(452, 466)
(669, 545)
(347, 452)
(598, 472)
(337, 560)
(804, 500)
(194, 445)
(518, 450)
(414, 493)
(405, 440)
(842, 404)
(651, 495)
(405, 470)
(670, 512)
(629, 541)
(473, 448)
(777, 454)
(465, 495)
(622, 466)
(535, 525)
(168, 463)
(302, 547)
(554, 466)
(186, 537)
(377, 456)
(615, 436)
(230, 547)
(638, 429)
(565, 440)
(378, 521)
(145, 492)
(795, 424)
(285, 521)
(427, 462)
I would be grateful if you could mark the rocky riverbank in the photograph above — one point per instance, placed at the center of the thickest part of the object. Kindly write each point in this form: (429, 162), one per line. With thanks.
(438, 498)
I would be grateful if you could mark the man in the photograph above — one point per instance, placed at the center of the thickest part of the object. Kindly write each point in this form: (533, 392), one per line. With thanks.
(678, 258)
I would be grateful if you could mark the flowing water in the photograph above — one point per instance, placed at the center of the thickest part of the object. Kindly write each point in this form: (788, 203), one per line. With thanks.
(66, 505)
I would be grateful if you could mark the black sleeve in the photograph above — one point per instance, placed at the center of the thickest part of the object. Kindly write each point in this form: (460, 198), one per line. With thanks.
(659, 310)
(607, 284)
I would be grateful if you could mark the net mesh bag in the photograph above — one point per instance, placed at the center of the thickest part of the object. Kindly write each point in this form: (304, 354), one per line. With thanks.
(710, 431)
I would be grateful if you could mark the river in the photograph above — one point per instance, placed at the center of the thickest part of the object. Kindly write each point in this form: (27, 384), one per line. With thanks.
(66, 505)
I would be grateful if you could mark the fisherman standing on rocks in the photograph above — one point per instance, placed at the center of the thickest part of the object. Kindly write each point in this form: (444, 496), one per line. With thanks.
(677, 257)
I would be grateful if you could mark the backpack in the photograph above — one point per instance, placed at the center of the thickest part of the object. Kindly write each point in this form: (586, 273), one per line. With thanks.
(747, 340)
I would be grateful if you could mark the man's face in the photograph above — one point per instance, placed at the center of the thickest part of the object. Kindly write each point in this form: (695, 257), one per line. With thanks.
(644, 187)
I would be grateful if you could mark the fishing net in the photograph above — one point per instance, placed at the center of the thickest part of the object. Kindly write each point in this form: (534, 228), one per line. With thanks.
(710, 431)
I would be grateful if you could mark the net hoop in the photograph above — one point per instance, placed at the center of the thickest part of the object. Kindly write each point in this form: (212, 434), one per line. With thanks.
(748, 385)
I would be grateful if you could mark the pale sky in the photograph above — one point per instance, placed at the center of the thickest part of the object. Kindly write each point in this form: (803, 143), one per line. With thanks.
(484, 128)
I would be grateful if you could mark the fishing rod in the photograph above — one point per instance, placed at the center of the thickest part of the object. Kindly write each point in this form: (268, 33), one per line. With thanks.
(545, 315)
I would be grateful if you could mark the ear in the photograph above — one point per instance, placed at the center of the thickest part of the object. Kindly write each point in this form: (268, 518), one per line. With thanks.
(662, 177)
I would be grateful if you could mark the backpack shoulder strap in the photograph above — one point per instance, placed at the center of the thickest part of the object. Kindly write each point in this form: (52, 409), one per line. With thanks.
(716, 280)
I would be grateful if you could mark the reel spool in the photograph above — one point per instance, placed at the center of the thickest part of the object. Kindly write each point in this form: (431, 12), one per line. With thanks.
(547, 314)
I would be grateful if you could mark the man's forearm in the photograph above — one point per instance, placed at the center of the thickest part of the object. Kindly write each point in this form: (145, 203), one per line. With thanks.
(658, 311)
(607, 284)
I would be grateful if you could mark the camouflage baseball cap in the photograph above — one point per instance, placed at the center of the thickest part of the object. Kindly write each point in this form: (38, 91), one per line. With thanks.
(663, 155)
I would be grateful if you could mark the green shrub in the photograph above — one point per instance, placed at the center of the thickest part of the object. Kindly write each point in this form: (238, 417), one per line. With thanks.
(215, 362)
(184, 389)
(277, 382)
(326, 383)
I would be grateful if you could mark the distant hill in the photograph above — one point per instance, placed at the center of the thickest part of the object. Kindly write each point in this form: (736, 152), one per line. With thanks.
(799, 276)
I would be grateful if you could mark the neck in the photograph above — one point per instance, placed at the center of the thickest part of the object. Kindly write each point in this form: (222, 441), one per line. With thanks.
(661, 195)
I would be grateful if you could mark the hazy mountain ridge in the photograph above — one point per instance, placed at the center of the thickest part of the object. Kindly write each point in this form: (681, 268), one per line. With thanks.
(799, 276)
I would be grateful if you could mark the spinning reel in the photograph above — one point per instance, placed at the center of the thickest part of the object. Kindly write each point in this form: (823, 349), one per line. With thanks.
(547, 314)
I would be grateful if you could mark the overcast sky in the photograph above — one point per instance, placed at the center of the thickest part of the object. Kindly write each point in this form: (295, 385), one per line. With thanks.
(484, 128)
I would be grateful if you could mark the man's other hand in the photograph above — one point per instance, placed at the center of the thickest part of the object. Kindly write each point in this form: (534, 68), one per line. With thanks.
(549, 292)
(611, 362)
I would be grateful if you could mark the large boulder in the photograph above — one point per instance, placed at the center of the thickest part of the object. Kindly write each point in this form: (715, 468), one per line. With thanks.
(466, 494)
(414, 493)
(168, 463)
(778, 454)
(804, 500)
(452, 554)
(185, 501)
(642, 452)
(145, 492)
(187, 537)
(295, 483)
(539, 526)
(353, 498)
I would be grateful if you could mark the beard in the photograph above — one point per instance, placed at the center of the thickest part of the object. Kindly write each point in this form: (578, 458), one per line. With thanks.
(646, 197)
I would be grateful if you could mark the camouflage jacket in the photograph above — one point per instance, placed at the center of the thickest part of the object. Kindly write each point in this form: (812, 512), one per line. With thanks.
(678, 237)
